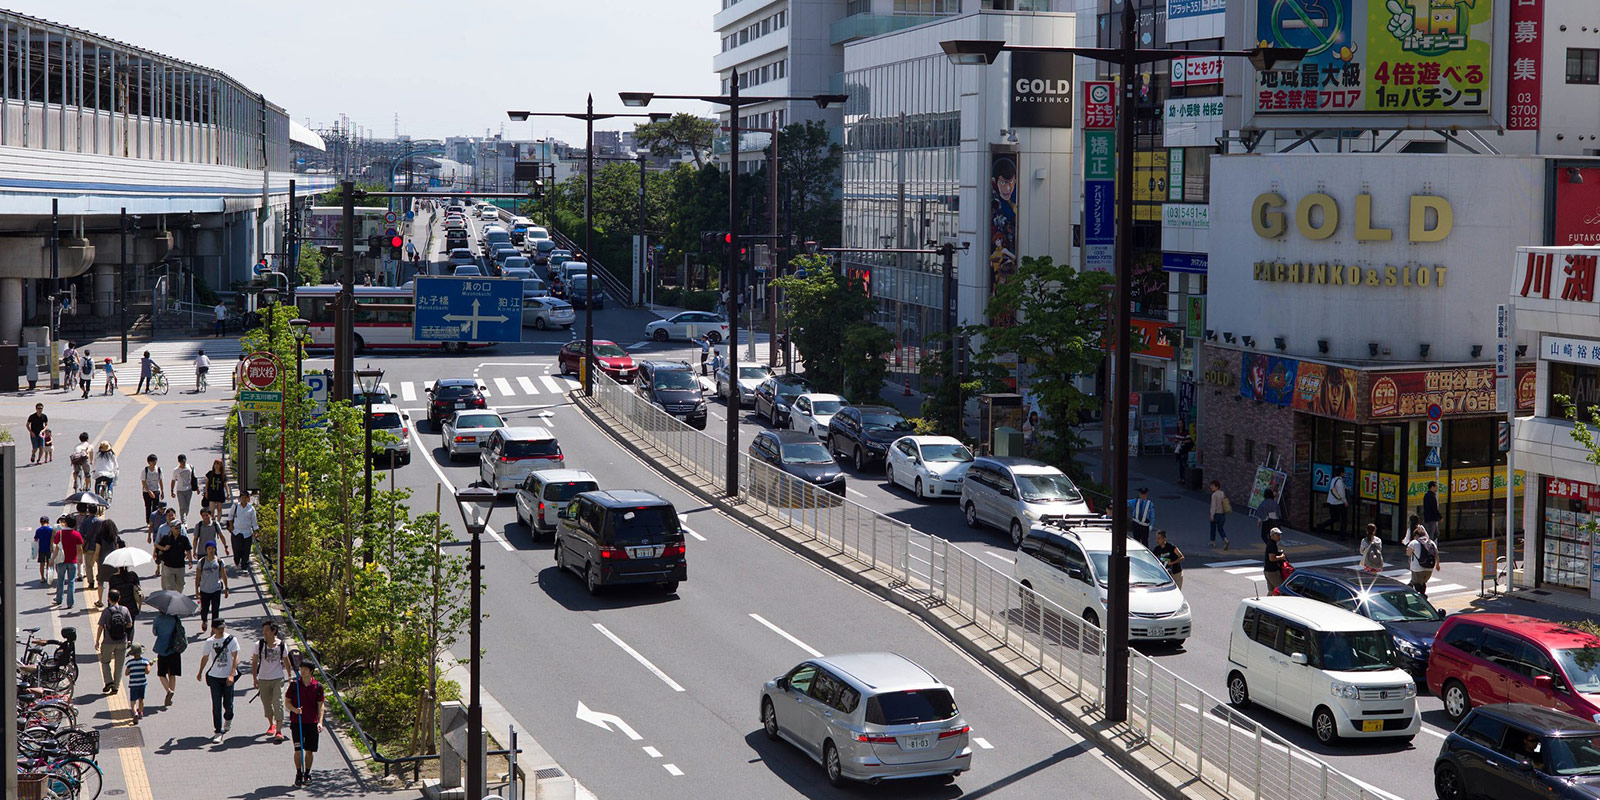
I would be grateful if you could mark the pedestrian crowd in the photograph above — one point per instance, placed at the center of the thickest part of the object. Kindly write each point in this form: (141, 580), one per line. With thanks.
(188, 565)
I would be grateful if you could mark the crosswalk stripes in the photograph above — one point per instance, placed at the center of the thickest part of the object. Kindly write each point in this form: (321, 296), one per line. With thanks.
(527, 384)
(407, 393)
(551, 384)
(504, 387)
(1251, 570)
(175, 358)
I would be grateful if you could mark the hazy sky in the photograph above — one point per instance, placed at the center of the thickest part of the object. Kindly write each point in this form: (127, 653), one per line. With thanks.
(447, 68)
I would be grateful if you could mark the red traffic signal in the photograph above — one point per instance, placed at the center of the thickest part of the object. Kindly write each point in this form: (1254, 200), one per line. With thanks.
(396, 242)
(727, 238)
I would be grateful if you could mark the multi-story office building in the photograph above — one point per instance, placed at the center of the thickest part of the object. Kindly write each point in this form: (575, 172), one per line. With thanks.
(779, 47)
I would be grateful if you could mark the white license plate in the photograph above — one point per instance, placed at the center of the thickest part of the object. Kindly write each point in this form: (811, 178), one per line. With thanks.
(920, 742)
(645, 552)
(460, 405)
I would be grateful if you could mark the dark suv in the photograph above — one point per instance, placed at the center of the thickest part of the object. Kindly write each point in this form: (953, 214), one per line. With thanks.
(1517, 751)
(448, 395)
(621, 536)
(672, 385)
(775, 395)
(801, 455)
(1409, 618)
(864, 433)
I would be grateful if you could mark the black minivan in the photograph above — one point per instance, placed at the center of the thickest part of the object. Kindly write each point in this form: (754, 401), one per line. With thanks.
(672, 385)
(621, 536)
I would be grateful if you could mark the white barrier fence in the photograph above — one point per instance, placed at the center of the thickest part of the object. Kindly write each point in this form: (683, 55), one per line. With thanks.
(1224, 749)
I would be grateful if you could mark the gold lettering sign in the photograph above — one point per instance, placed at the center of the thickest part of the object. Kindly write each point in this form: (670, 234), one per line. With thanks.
(1390, 276)
(1316, 217)
(1216, 374)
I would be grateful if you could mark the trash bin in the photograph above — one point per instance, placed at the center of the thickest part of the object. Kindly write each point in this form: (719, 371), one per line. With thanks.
(30, 785)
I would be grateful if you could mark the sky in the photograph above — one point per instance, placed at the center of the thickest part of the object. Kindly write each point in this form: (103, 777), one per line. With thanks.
(447, 68)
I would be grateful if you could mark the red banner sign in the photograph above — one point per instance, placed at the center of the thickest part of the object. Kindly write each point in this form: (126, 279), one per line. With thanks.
(1196, 70)
(1525, 66)
(1577, 207)
(1460, 392)
(1557, 487)
(1099, 105)
(1541, 269)
(1148, 339)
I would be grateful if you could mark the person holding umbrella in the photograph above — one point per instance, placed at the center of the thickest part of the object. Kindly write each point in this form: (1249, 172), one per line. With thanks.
(125, 582)
(170, 638)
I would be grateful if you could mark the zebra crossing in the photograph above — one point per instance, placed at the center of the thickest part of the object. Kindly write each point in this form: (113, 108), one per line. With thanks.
(1250, 569)
(510, 386)
(175, 358)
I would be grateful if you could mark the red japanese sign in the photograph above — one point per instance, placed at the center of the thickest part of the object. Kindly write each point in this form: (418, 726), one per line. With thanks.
(1099, 105)
(1196, 70)
(1557, 487)
(1458, 392)
(1148, 339)
(1577, 207)
(1525, 66)
(1541, 269)
(261, 371)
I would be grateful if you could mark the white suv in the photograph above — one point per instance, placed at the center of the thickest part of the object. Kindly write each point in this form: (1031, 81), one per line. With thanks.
(1070, 567)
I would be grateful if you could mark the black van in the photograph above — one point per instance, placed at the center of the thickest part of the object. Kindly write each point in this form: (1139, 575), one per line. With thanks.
(621, 536)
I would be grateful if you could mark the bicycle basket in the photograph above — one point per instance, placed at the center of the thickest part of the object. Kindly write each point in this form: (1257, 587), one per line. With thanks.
(85, 743)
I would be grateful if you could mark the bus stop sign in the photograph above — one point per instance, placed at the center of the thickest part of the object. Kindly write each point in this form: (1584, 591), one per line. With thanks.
(472, 310)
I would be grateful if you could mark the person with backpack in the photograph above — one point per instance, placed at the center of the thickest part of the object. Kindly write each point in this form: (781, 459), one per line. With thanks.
(1424, 559)
(1371, 551)
(210, 585)
(219, 666)
(170, 644)
(126, 584)
(269, 669)
(111, 639)
(1338, 502)
(85, 374)
(304, 700)
(69, 367)
(82, 455)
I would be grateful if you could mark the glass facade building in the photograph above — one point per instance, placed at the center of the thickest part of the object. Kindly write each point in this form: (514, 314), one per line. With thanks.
(901, 187)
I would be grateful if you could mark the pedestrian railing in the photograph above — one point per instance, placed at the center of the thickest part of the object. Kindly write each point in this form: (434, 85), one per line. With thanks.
(1226, 750)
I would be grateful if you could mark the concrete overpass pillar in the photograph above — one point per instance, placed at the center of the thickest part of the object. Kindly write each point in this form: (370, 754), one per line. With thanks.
(11, 310)
(105, 290)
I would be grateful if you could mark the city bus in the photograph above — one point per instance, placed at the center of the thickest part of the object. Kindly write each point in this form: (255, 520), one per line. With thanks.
(384, 319)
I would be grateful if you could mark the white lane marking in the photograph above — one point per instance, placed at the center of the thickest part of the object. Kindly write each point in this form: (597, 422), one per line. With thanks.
(637, 345)
(503, 386)
(550, 383)
(993, 554)
(672, 769)
(692, 533)
(483, 389)
(1428, 729)
(427, 455)
(652, 752)
(605, 721)
(527, 384)
(787, 635)
(639, 657)
(1322, 562)
(1221, 564)
(856, 493)
(570, 380)
(1246, 570)
(982, 742)
(408, 392)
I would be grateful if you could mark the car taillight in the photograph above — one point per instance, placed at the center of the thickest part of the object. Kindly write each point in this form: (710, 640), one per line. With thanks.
(460, 439)
(862, 737)
(673, 550)
(541, 506)
(955, 732)
(615, 553)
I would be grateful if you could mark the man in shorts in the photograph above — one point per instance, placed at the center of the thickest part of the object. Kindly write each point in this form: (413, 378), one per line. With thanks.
(170, 644)
(304, 701)
(36, 425)
(44, 543)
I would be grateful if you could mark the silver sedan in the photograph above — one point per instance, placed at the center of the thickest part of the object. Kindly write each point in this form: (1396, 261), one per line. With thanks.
(465, 431)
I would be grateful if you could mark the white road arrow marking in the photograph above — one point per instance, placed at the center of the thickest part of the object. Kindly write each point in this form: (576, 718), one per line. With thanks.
(605, 721)
(474, 319)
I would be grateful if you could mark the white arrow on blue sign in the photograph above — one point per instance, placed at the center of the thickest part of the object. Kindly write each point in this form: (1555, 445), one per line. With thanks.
(468, 310)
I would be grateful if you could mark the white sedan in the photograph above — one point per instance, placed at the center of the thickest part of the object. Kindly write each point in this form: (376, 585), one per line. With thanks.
(466, 431)
(811, 412)
(930, 466)
(688, 325)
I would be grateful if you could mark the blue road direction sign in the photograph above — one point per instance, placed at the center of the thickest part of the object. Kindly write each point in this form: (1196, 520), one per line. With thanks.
(473, 310)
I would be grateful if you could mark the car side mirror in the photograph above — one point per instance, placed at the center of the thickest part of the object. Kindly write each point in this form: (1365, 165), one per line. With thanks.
(1299, 658)
(1077, 573)
(783, 684)
(1544, 683)
(1007, 491)
(1524, 765)
(563, 513)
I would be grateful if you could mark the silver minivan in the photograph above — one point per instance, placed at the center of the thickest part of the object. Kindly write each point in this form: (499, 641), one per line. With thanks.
(511, 453)
(544, 492)
(868, 717)
(1014, 494)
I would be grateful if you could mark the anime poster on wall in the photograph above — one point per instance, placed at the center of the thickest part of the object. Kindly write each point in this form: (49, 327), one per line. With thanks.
(1002, 226)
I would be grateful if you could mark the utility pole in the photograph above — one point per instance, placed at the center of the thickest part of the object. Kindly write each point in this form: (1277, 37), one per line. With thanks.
(947, 251)
(344, 307)
(122, 278)
(291, 241)
(772, 252)
(55, 285)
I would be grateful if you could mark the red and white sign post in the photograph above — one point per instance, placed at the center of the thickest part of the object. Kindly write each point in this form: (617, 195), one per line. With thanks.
(261, 371)
(1525, 66)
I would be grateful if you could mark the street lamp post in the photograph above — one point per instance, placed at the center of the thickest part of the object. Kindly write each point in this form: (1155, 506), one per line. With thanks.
(730, 281)
(370, 380)
(1127, 57)
(588, 117)
(301, 328)
(477, 503)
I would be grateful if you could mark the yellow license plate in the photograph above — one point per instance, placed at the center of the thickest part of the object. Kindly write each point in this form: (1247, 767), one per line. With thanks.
(1371, 726)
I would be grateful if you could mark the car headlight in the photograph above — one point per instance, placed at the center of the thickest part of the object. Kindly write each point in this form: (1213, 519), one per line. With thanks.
(871, 445)
(1183, 610)
(1411, 690)
(1347, 691)
(1408, 649)
(701, 403)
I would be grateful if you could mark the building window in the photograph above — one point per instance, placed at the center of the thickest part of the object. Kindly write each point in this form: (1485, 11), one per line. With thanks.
(927, 6)
(1583, 65)
(1197, 174)
(1579, 383)
(1227, 445)
(1249, 449)
(857, 7)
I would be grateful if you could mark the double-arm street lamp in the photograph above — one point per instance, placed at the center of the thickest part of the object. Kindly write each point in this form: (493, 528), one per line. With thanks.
(588, 118)
(477, 503)
(730, 282)
(1127, 57)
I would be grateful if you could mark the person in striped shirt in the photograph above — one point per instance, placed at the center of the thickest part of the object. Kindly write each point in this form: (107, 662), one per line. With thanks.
(138, 669)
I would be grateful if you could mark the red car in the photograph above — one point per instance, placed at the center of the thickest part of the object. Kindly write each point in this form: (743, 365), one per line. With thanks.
(1479, 659)
(614, 361)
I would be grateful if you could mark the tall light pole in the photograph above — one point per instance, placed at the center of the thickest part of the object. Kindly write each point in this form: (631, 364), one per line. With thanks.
(370, 380)
(476, 503)
(1127, 57)
(588, 117)
(730, 281)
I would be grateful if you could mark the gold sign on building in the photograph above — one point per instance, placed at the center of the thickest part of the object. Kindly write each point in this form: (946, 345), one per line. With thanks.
(1317, 217)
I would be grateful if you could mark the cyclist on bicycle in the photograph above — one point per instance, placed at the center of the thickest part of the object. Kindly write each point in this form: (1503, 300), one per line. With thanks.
(111, 377)
(105, 470)
(81, 456)
(202, 365)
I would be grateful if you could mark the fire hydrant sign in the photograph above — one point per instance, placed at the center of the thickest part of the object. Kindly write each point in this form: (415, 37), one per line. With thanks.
(260, 371)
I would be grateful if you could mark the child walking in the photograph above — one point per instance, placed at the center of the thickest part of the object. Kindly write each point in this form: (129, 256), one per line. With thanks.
(138, 670)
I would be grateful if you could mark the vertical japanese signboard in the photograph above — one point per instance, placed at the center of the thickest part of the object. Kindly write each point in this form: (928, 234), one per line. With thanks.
(1504, 376)
(1099, 174)
(1525, 65)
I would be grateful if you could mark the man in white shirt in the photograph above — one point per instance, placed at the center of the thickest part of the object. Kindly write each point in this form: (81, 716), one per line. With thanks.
(243, 525)
(1338, 504)
(222, 317)
(219, 667)
(269, 668)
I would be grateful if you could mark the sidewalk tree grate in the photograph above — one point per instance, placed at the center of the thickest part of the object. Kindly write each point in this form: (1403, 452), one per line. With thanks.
(117, 738)
(548, 773)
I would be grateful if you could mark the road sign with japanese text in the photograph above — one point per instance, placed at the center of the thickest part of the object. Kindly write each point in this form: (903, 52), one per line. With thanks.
(472, 310)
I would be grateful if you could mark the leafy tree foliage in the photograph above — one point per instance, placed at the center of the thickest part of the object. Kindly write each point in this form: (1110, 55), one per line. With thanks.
(830, 321)
(676, 134)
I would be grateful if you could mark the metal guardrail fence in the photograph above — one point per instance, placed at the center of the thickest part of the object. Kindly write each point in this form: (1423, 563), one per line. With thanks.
(1224, 749)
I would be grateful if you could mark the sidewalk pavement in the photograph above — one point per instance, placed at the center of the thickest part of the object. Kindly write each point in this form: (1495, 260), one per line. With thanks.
(169, 754)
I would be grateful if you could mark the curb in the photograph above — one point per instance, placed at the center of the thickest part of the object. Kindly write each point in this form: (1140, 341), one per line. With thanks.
(1118, 742)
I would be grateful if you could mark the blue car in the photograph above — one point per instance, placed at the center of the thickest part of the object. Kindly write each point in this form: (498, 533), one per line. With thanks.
(1517, 751)
(1409, 618)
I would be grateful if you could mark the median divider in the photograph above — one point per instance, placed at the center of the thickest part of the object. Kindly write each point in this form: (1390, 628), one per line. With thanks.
(1178, 739)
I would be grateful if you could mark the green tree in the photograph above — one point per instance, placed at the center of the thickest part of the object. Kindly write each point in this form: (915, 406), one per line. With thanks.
(676, 134)
(864, 354)
(335, 196)
(312, 264)
(808, 176)
(829, 319)
(1059, 314)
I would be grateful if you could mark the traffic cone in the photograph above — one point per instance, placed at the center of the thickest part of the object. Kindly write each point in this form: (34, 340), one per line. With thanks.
(906, 387)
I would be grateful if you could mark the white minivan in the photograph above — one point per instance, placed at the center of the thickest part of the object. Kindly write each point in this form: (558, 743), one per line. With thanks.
(1321, 666)
(1070, 567)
